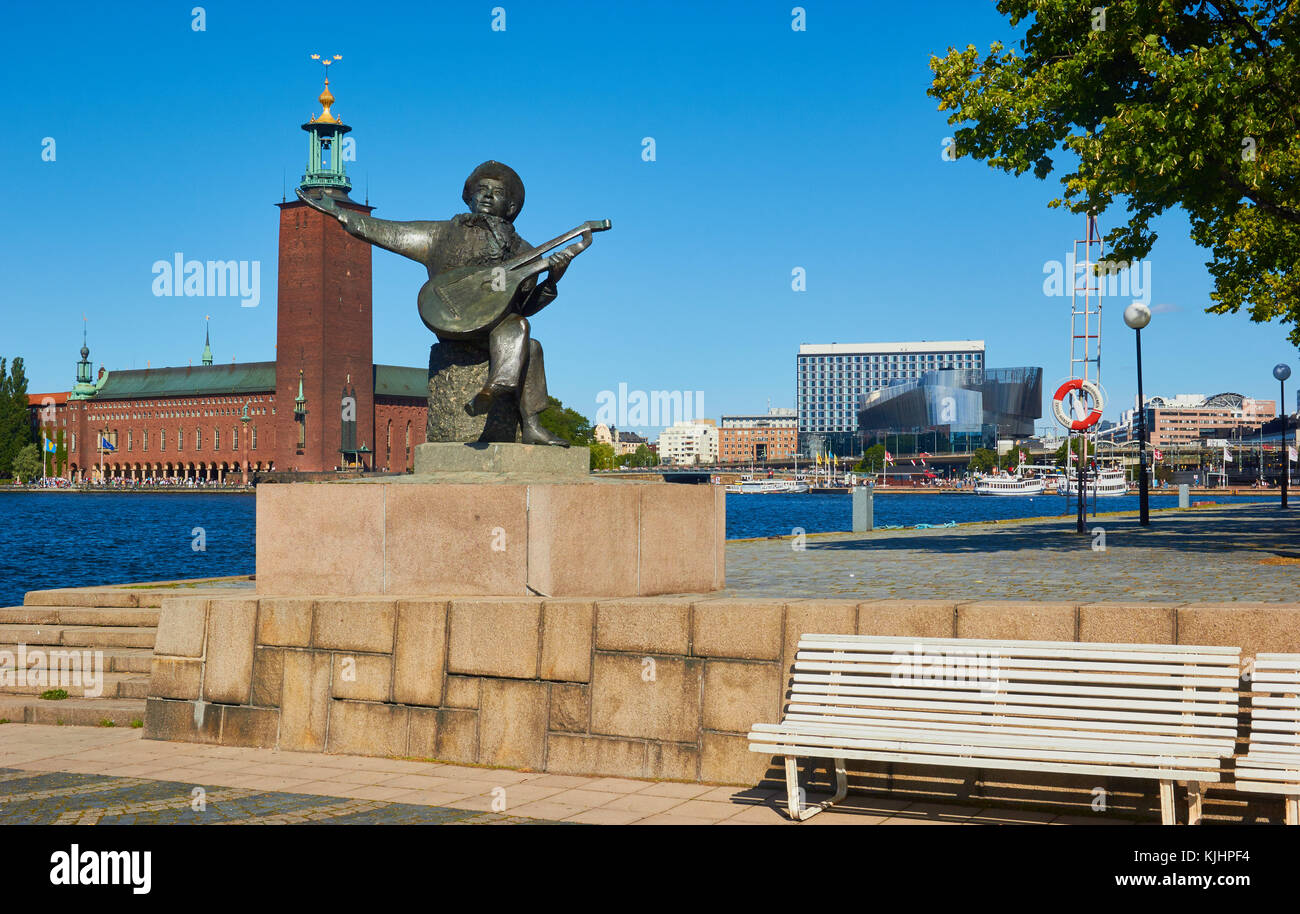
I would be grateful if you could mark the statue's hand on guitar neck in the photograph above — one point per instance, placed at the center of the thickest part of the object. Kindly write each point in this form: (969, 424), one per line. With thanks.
(557, 263)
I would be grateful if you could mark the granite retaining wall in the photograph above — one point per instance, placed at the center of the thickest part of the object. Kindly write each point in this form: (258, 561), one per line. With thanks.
(660, 687)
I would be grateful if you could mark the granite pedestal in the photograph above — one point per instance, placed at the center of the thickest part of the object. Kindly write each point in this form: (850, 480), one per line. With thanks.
(495, 520)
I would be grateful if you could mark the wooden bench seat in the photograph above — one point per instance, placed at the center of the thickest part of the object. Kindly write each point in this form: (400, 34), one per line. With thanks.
(1272, 760)
(1155, 711)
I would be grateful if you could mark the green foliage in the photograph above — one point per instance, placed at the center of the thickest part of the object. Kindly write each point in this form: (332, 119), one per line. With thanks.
(569, 424)
(54, 694)
(27, 464)
(15, 419)
(873, 460)
(136, 723)
(107, 723)
(1191, 105)
(983, 460)
(1072, 445)
(641, 457)
(602, 456)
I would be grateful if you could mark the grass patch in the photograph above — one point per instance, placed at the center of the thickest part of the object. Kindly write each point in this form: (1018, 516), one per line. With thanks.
(137, 724)
(107, 723)
(54, 694)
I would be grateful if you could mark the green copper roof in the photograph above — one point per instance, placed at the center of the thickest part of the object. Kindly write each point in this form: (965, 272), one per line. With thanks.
(400, 381)
(190, 381)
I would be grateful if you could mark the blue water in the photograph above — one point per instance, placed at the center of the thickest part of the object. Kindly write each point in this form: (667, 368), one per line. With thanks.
(776, 515)
(70, 540)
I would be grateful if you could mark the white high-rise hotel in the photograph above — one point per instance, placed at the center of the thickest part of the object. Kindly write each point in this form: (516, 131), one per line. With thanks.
(830, 377)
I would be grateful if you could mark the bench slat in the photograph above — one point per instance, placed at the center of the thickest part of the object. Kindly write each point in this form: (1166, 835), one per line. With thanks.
(1207, 774)
(847, 694)
(1100, 731)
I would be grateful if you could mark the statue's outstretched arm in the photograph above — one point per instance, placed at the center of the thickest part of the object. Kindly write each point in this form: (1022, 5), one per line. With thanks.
(410, 239)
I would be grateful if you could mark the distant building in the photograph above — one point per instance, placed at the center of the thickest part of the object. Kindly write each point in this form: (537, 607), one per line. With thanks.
(831, 378)
(689, 443)
(970, 408)
(769, 436)
(1173, 421)
(626, 443)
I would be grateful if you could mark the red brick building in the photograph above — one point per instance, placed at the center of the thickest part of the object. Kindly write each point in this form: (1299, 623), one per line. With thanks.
(322, 404)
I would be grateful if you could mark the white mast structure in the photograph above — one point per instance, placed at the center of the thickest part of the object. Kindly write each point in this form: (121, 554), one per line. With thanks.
(1085, 335)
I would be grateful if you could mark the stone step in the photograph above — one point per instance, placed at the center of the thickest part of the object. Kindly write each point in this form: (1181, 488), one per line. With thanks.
(82, 596)
(88, 636)
(72, 712)
(137, 660)
(115, 685)
(79, 615)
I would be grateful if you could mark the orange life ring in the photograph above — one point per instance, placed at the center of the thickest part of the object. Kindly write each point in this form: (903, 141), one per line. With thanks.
(1058, 404)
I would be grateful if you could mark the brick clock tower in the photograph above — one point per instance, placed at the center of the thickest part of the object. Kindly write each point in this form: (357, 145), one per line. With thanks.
(324, 337)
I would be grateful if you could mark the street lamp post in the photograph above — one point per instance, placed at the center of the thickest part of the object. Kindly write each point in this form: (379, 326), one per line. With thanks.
(1137, 316)
(1282, 372)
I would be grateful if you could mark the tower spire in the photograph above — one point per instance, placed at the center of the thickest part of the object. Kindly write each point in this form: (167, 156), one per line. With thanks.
(207, 345)
(324, 144)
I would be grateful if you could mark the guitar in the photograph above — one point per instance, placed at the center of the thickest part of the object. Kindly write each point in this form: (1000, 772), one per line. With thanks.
(461, 303)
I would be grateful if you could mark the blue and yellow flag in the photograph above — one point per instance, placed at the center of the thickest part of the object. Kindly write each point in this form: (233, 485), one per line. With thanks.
(49, 445)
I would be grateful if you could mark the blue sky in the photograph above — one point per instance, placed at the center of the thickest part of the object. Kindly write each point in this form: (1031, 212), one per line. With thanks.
(775, 149)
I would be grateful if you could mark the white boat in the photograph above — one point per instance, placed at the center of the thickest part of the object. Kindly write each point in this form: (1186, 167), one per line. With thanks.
(1008, 484)
(1106, 482)
(750, 486)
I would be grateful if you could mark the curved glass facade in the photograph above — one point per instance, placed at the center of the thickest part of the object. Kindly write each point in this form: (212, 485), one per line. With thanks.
(978, 405)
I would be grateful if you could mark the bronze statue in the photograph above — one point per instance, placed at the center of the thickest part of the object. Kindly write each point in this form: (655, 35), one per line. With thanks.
(482, 285)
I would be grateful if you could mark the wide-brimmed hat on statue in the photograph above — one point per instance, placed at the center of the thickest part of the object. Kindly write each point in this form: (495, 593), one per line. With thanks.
(501, 172)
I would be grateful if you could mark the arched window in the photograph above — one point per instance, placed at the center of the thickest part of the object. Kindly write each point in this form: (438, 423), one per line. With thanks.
(408, 443)
(216, 438)
(253, 443)
(198, 439)
(180, 439)
(388, 445)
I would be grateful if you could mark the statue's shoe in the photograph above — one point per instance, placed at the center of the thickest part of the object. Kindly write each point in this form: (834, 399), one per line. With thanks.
(531, 432)
(482, 401)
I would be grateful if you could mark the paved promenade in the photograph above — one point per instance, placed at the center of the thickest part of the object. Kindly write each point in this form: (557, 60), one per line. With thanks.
(92, 775)
(1247, 553)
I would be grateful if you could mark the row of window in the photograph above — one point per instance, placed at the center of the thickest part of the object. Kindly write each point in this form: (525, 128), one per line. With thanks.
(180, 439)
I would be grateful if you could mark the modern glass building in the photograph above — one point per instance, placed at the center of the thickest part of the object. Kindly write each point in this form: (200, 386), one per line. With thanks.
(970, 407)
(831, 379)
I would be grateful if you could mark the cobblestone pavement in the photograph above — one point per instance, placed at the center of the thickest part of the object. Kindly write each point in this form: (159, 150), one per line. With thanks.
(93, 775)
(1214, 554)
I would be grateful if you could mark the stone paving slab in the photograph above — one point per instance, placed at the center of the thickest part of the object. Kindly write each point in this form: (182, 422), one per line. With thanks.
(88, 775)
(1239, 553)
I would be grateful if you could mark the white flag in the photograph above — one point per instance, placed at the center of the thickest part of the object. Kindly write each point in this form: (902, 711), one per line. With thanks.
(1290, 454)
(1227, 458)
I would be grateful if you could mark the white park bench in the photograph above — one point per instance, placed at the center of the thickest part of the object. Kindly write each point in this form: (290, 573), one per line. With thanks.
(1272, 761)
(1156, 711)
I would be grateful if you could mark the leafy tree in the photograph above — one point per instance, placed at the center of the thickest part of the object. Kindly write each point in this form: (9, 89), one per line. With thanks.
(873, 460)
(569, 424)
(1072, 445)
(27, 463)
(641, 457)
(15, 418)
(983, 460)
(1161, 105)
(602, 456)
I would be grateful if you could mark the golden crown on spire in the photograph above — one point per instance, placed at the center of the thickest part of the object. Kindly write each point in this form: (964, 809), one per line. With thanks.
(326, 97)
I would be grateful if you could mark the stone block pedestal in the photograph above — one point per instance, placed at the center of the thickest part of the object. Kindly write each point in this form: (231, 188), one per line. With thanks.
(491, 534)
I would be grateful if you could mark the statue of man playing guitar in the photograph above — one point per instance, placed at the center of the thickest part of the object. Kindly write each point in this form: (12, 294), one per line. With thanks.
(483, 283)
